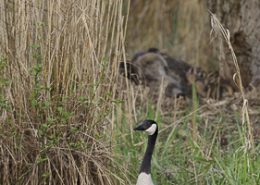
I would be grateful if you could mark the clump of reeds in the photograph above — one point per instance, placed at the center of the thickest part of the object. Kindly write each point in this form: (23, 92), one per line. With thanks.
(58, 68)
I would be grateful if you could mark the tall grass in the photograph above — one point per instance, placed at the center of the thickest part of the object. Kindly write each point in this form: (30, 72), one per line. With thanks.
(224, 34)
(67, 118)
(58, 68)
(201, 144)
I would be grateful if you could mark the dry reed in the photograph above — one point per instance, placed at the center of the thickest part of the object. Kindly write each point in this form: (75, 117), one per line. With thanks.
(59, 67)
(223, 34)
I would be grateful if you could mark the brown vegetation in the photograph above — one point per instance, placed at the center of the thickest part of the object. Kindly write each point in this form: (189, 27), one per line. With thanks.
(61, 98)
(58, 70)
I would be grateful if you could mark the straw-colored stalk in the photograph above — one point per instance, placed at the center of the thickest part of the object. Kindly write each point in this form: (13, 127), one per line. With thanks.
(223, 33)
(61, 61)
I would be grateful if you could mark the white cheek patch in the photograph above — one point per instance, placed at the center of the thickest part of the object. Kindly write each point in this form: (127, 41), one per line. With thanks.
(151, 130)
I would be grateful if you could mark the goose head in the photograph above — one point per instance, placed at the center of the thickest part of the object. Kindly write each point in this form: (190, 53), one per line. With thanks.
(148, 126)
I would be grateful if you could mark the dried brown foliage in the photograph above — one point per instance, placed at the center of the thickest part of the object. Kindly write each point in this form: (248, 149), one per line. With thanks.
(59, 64)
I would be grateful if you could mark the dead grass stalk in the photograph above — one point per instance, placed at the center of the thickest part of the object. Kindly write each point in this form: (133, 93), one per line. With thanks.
(59, 67)
(223, 33)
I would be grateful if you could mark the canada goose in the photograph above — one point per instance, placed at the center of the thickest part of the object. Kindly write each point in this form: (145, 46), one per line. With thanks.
(150, 67)
(151, 128)
(209, 85)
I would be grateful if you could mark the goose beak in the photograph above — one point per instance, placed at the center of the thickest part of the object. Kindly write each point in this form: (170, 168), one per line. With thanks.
(140, 127)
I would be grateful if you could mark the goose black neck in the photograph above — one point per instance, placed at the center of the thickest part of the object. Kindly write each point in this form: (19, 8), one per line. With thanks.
(146, 164)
